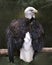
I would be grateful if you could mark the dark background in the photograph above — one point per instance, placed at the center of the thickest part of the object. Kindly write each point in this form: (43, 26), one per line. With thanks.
(14, 9)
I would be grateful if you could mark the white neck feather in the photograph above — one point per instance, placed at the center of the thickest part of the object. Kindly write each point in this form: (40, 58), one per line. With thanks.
(29, 15)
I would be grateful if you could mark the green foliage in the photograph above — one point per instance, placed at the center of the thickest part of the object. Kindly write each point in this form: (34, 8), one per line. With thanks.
(41, 59)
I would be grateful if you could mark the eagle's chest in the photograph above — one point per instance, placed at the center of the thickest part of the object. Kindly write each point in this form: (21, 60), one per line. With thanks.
(26, 52)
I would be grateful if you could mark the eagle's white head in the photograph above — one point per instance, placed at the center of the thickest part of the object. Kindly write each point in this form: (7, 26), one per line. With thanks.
(30, 12)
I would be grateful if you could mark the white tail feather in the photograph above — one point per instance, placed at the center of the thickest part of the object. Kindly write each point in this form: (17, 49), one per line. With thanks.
(26, 52)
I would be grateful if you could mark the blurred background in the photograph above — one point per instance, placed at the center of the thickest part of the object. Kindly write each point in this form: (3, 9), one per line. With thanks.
(14, 9)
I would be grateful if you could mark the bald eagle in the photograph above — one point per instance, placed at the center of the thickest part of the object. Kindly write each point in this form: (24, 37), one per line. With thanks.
(26, 35)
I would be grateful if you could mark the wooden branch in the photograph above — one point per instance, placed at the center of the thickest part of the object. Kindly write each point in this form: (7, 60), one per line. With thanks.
(46, 49)
(5, 51)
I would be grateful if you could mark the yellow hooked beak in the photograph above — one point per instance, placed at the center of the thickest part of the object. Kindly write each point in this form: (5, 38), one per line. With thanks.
(35, 10)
